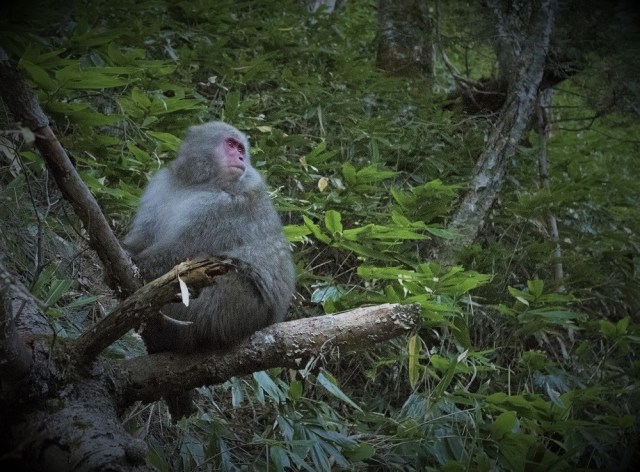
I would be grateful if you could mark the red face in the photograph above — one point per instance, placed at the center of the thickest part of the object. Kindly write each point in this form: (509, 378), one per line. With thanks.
(234, 154)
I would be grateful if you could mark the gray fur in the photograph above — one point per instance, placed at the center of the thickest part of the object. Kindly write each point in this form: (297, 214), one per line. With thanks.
(193, 209)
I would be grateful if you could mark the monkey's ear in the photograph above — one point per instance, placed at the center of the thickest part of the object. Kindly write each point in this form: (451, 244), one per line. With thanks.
(193, 165)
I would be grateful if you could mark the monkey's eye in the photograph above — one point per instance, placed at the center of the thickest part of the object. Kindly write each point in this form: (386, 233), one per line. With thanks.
(235, 144)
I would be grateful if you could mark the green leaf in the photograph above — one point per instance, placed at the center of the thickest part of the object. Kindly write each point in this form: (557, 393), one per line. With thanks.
(279, 458)
(57, 289)
(462, 332)
(535, 287)
(163, 105)
(519, 295)
(39, 75)
(295, 390)
(296, 233)
(327, 292)
(139, 154)
(231, 106)
(607, 328)
(170, 140)
(332, 221)
(74, 78)
(140, 98)
(622, 326)
(514, 448)
(330, 384)
(318, 154)
(266, 383)
(82, 301)
(67, 108)
(505, 423)
(349, 173)
(47, 275)
(442, 233)
(361, 452)
(93, 118)
(316, 231)
(438, 391)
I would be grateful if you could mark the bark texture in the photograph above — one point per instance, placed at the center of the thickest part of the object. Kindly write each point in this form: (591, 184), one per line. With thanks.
(59, 415)
(288, 344)
(404, 38)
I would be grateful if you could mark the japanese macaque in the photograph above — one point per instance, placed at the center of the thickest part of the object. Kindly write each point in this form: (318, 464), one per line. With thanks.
(210, 201)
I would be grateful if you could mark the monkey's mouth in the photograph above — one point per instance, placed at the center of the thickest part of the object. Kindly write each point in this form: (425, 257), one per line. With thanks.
(238, 168)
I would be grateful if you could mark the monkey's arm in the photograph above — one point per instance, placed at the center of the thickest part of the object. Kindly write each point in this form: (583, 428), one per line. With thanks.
(145, 226)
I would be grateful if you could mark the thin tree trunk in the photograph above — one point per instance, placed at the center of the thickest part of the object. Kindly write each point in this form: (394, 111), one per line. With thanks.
(404, 38)
(543, 128)
(523, 31)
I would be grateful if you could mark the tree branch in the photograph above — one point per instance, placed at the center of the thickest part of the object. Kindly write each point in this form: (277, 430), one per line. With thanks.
(80, 430)
(25, 108)
(288, 344)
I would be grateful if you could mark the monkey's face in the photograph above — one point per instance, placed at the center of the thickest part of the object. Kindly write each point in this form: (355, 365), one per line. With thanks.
(232, 156)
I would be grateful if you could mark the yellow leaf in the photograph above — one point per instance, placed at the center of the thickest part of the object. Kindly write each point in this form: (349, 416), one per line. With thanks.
(414, 360)
(265, 129)
(322, 183)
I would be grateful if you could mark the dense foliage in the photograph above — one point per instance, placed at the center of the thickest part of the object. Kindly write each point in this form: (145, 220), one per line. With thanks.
(512, 370)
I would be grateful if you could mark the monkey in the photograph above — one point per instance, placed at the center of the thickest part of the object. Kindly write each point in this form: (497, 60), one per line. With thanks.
(210, 201)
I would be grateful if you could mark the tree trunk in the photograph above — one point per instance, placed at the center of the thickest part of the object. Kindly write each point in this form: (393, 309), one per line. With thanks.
(404, 38)
(523, 32)
(329, 5)
(543, 108)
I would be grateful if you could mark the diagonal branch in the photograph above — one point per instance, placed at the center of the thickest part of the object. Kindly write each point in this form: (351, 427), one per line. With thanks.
(25, 108)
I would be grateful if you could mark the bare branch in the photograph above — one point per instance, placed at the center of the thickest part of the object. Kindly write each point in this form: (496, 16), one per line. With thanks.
(288, 344)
